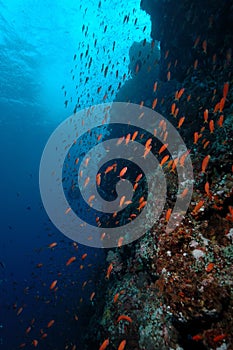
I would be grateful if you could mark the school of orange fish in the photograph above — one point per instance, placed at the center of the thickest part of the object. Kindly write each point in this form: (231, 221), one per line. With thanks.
(213, 120)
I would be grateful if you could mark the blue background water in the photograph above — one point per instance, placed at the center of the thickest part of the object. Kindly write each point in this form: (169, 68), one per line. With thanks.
(38, 40)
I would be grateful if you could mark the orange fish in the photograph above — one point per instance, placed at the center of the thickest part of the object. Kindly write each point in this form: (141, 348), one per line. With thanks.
(195, 64)
(142, 205)
(204, 46)
(123, 171)
(162, 149)
(67, 210)
(52, 245)
(173, 107)
(154, 103)
(205, 163)
(84, 256)
(211, 126)
(206, 144)
(220, 120)
(109, 270)
(225, 89)
(207, 188)
(104, 345)
(115, 298)
(181, 121)
(209, 267)
(53, 284)
(98, 179)
(50, 323)
(180, 93)
(206, 113)
(196, 42)
(219, 337)
(184, 193)
(70, 260)
(122, 345)
(125, 318)
(134, 135)
(148, 143)
(168, 214)
(120, 242)
(168, 75)
(222, 104)
(155, 86)
(35, 343)
(92, 296)
(122, 201)
(198, 207)
(196, 137)
(20, 310)
(165, 158)
(147, 150)
(127, 139)
(197, 337)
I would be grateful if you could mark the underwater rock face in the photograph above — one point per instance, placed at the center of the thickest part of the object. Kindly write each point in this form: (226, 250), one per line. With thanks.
(178, 25)
(177, 287)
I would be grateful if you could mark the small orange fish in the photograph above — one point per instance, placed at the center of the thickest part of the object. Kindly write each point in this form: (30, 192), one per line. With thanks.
(67, 210)
(205, 163)
(196, 42)
(219, 337)
(204, 46)
(142, 205)
(211, 126)
(181, 121)
(206, 144)
(147, 150)
(109, 270)
(122, 345)
(207, 188)
(209, 267)
(35, 343)
(165, 158)
(122, 201)
(53, 284)
(195, 64)
(125, 318)
(87, 181)
(123, 171)
(180, 93)
(154, 103)
(162, 149)
(50, 323)
(52, 245)
(98, 179)
(104, 345)
(120, 242)
(84, 256)
(70, 260)
(197, 337)
(220, 121)
(148, 143)
(155, 86)
(206, 114)
(225, 89)
(127, 139)
(168, 76)
(198, 207)
(168, 214)
(173, 107)
(92, 296)
(20, 310)
(196, 137)
(222, 104)
(115, 298)
(134, 135)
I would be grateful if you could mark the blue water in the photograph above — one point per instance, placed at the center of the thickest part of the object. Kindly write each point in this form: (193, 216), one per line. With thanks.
(38, 41)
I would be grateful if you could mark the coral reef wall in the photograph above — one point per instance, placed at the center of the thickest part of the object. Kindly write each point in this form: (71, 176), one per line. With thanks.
(178, 25)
